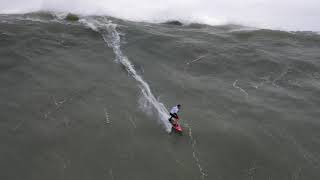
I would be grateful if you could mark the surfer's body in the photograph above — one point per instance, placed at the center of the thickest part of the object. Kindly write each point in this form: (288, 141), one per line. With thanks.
(174, 114)
(174, 118)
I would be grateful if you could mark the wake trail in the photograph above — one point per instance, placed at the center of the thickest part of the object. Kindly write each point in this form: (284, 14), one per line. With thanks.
(112, 38)
(110, 35)
(194, 153)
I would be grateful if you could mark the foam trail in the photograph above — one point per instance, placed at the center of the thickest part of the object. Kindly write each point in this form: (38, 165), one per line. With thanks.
(112, 38)
(194, 153)
(242, 90)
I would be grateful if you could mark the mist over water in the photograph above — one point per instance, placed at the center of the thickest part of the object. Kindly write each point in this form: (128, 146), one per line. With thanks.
(293, 15)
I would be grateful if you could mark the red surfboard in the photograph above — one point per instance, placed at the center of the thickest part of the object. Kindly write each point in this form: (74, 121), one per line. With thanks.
(177, 127)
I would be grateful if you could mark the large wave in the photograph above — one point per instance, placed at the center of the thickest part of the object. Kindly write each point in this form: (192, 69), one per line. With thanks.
(285, 14)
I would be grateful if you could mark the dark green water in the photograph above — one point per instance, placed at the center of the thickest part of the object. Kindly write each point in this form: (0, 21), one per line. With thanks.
(73, 108)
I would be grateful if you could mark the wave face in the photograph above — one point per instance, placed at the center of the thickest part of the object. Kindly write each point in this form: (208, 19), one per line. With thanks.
(88, 100)
(257, 13)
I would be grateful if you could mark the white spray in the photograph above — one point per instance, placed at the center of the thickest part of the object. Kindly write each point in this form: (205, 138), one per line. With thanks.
(273, 14)
(112, 38)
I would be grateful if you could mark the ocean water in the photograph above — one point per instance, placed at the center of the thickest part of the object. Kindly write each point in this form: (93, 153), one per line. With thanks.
(90, 99)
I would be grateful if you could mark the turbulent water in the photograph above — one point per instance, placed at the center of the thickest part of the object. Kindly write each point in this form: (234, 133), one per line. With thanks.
(89, 99)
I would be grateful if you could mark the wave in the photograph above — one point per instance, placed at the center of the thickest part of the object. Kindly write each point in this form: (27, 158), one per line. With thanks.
(261, 14)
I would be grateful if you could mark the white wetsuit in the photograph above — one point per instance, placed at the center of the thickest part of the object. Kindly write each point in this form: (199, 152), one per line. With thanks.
(174, 110)
(174, 113)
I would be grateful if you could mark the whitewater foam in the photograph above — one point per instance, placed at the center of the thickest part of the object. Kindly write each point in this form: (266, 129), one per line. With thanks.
(111, 36)
(257, 13)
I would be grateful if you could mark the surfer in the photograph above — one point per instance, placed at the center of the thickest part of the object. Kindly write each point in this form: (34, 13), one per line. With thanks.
(174, 114)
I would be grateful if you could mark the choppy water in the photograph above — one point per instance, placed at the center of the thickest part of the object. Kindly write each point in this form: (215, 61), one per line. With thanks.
(89, 100)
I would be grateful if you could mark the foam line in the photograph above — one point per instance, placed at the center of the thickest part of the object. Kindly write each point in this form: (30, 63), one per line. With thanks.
(194, 153)
(242, 90)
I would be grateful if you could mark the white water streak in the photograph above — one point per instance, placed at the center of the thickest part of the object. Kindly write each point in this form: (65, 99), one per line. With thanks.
(192, 61)
(112, 38)
(242, 90)
(194, 153)
(195, 60)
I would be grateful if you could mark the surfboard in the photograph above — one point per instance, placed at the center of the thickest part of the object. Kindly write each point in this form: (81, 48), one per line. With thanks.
(177, 127)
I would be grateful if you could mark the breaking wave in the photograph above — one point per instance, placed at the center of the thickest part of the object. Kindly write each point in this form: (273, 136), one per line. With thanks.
(262, 14)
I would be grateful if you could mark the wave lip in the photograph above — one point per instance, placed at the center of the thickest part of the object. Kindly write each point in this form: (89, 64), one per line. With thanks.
(262, 14)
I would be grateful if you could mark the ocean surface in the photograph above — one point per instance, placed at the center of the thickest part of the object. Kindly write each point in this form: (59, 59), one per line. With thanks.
(89, 100)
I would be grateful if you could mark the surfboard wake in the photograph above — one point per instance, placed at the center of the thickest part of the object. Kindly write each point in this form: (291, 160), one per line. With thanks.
(110, 35)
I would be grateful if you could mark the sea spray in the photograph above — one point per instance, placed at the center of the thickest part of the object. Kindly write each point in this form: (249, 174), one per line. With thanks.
(111, 36)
